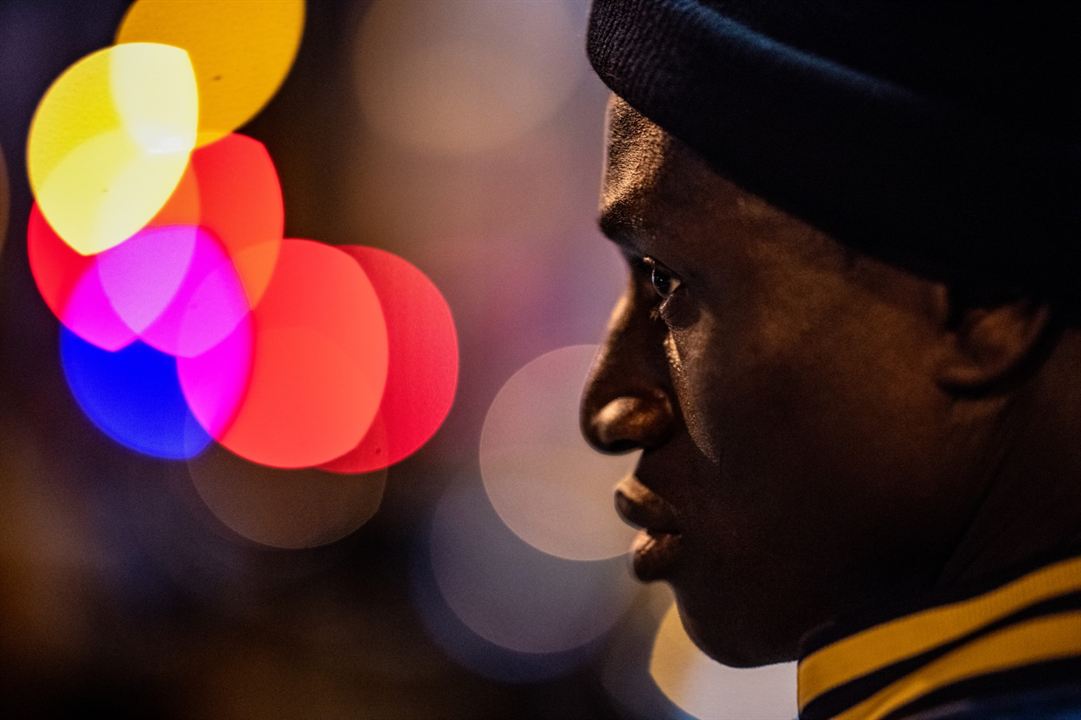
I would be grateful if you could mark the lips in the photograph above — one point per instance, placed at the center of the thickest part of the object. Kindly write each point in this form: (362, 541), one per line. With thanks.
(655, 549)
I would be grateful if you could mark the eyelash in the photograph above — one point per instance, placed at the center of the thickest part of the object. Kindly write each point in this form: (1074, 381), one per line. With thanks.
(650, 268)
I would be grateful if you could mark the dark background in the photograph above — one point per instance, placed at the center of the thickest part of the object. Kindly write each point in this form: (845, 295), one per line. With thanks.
(122, 595)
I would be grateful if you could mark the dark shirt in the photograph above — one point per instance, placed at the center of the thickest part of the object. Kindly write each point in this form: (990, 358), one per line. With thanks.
(1010, 649)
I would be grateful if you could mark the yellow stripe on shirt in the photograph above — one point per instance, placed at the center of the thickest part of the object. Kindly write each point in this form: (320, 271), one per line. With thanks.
(1046, 638)
(911, 635)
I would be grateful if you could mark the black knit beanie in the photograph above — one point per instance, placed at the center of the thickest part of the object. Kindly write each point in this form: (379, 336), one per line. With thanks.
(944, 136)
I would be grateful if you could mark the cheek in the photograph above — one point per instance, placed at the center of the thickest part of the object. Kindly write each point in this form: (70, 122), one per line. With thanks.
(695, 379)
(783, 434)
(817, 406)
(825, 444)
(733, 387)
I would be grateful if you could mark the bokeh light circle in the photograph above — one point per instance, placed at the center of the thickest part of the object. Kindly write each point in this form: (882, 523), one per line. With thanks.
(461, 77)
(546, 483)
(162, 279)
(240, 51)
(215, 383)
(71, 287)
(133, 395)
(510, 593)
(174, 287)
(423, 362)
(289, 509)
(110, 141)
(143, 274)
(318, 364)
(479, 655)
(240, 201)
(706, 689)
(231, 188)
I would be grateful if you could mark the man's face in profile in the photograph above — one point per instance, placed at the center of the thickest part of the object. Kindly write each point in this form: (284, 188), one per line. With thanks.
(800, 459)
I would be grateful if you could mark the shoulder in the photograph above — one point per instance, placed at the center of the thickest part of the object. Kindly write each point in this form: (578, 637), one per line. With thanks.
(1058, 703)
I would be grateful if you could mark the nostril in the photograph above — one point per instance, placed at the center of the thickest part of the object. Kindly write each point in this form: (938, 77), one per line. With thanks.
(620, 446)
(630, 422)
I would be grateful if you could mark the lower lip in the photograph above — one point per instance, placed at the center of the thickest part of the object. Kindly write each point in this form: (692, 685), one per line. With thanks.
(654, 554)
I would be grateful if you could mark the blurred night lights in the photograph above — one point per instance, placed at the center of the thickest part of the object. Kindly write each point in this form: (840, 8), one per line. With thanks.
(156, 238)
(546, 483)
(181, 306)
(71, 287)
(479, 655)
(291, 509)
(422, 372)
(133, 396)
(510, 593)
(709, 690)
(463, 77)
(215, 383)
(231, 190)
(240, 51)
(110, 141)
(142, 275)
(238, 197)
(319, 362)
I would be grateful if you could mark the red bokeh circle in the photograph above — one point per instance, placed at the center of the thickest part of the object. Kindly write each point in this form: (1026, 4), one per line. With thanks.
(423, 370)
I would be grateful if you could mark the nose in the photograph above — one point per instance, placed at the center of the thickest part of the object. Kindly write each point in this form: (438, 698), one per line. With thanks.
(627, 403)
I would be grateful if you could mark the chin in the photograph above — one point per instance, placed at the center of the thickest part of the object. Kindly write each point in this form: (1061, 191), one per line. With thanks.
(732, 638)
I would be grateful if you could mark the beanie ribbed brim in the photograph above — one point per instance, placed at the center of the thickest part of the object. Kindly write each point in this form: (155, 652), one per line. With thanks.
(973, 176)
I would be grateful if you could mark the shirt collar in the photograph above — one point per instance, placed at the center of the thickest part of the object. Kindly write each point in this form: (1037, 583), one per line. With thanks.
(1033, 617)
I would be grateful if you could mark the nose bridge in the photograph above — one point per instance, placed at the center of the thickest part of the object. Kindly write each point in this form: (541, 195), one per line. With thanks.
(627, 401)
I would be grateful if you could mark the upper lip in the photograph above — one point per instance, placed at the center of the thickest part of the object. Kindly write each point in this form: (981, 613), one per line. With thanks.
(640, 506)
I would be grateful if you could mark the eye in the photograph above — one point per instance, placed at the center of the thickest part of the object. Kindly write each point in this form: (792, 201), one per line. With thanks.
(665, 282)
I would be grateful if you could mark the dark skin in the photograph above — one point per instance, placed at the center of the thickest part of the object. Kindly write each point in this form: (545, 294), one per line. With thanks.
(823, 433)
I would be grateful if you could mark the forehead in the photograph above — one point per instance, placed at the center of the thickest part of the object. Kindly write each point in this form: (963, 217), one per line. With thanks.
(652, 180)
(648, 174)
(635, 155)
(658, 194)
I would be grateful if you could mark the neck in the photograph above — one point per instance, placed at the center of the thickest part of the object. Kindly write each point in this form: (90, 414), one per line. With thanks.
(1032, 503)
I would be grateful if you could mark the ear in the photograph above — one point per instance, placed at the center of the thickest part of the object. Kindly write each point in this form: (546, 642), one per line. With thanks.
(989, 343)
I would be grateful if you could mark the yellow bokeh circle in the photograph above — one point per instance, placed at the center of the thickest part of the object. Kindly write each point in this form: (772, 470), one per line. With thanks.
(110, 141)
(241, 51)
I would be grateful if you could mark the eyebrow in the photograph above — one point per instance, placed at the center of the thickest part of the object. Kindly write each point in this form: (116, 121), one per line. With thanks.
(616, 224)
